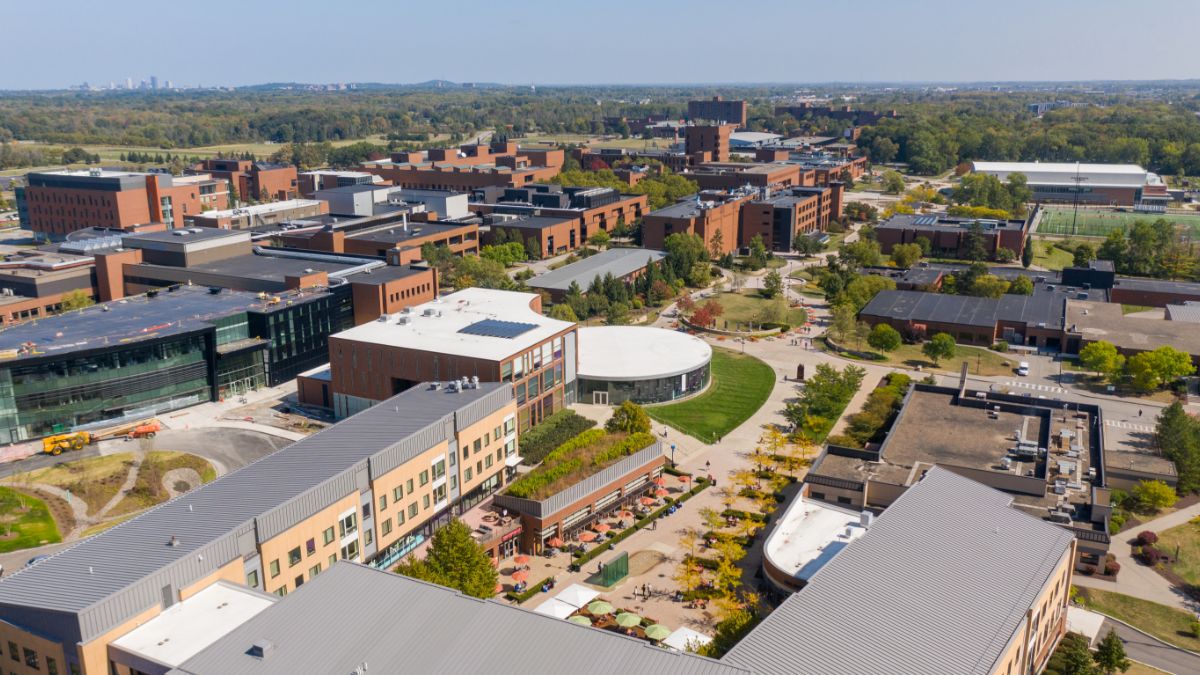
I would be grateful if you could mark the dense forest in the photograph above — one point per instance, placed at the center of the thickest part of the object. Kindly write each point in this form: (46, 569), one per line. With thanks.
(936, 130)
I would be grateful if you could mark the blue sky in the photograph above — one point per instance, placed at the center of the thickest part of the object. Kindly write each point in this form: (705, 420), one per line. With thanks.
(615, 41)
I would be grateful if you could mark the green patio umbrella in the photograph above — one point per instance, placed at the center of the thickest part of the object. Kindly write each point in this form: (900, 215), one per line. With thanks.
(581, 620)
(658, 632)
(628, 620)
(599, 607)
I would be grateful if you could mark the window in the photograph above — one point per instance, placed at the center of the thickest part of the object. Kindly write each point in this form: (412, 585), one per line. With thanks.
(13, 652)
(487, 439)
(843, 500)
(467, 473)
(332, 559)
(327, 536)
(487, 461)
(252, 579)
(386, 527)
(310, 546)
(400, 517)
(476, 445)
(274, 568)
(314, 570)
(499, 454)
(31, 657)
(424, 477)
(817, 495)
(382, 503)
(424, 501)
(368, 537)
(439, 493)
(479, 467)
(347, 526)
(350, 551)
(51, 666)
(281, 591)
(439, 470)
(453, 481)
(498, 433)
(293, 557)
(366, 511)
(409, 486)
(412, 510)
(299, 581)
(398, 493)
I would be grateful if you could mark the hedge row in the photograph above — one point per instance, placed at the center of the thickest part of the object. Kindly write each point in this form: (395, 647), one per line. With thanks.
(533, 590)
(743, 515)
(555, 430)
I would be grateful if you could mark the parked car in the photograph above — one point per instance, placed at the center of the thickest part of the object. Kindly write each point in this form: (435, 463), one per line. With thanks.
(1023, 368)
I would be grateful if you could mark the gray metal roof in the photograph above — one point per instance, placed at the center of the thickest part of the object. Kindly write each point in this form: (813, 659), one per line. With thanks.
(619, 262)
(1188, 311)
(939, 584)
(115, 574)
(353, 615)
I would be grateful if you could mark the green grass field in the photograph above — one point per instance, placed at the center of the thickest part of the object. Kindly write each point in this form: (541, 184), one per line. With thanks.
(1099, 222)
(1186, 538)
(1049, 256)
(25, 522)
(740, 385)
(747, 306)
(1165, 623)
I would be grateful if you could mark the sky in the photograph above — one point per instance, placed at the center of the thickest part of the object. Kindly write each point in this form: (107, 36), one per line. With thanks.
(219, 42)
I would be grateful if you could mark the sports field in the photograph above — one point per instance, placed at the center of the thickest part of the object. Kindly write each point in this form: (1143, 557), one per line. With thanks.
(1099, 222)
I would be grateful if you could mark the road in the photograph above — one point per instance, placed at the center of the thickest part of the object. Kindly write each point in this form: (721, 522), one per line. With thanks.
(1152, 652)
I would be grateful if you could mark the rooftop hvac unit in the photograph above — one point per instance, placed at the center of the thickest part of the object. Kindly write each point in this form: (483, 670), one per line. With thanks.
(474, 381)
(435, 384)
(383, 318)
(402, 321)
(866, 518)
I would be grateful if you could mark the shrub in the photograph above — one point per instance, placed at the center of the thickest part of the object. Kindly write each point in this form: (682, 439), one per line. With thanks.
(1000, 346)
(1150, 555)
(1088, 570)
(1195, 628)
(1146, 538)
(551, 433)
(1112, 568)
(563, 462)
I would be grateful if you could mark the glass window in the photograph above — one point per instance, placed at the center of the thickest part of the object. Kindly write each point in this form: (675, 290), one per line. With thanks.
(383, 502)
(409, 486)
(314, 570)
(252, 579)
(51, 666)
(398, 493)
(347, 525)
(31, 657)
(439, 493)
(477, 445)
(274, 567)
(400, 517)
(424, 477)
(327, 536)
(467, 473)
(350, 551)
(368, 537)
(424, 501)
(487, 462)
(412, 510)
(299, 581)
(281, 591)
(332, 559)
(293, 556)
(439, 469)
(499, 431)
(13, 652)
(310, 546)
(386, 527)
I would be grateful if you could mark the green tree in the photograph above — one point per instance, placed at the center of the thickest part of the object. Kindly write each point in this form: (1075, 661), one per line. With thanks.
(884, 338)
(862, 289)
(1102, 357)
(533, 249)
(617, 314)
(842, 322)
(1110, 655)
(758, 253)
(1022, 285)
(1150, 370)
(772, 284)
(599, 239)
(700, 275)
(988, 286)
(1154, 495)
(455, 560)
(1072, 657)
(77, 299)
(1177, 436)
(861, 253)
(628, 418)
(938, 347)
(683, 251)
(716, 244)
(1027, 253)
(906, 255)
(1084, 254)
(563, 312)
(976, 244)
(893, 182)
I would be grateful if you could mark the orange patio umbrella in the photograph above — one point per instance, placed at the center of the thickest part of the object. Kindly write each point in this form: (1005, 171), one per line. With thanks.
(659, 481)
(521, 559)
(587, 536)
(661, 492)
(685, 478)
(602, 527)
(499, 588)
(520, 575)
(625, 515)
(648, 501)
(556, 542)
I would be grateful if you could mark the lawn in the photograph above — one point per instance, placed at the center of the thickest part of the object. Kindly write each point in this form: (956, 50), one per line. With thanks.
(746, 306)
(95, 480)
(25, 522)
(1165, 623)
(1099, 222)
(1187, 538)
(979, 361)
(1049, 256)
(1133, 309)
(740, 385)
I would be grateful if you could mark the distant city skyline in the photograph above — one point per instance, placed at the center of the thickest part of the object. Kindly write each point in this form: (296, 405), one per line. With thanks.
(618, 42)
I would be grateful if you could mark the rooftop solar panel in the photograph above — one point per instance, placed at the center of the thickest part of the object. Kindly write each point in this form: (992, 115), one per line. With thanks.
(496, 328)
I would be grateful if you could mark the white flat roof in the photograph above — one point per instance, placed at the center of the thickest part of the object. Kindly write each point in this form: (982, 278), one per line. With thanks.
(440, 332)
(627, 353)
(270, 207)
(810, 534)
(1063, 173)
(186, 628)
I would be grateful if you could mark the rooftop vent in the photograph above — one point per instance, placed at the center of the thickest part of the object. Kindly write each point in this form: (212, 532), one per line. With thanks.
(261, 649)
(174, 541)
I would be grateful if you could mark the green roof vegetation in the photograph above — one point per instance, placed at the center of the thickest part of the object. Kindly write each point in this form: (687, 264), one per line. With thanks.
(575, 460)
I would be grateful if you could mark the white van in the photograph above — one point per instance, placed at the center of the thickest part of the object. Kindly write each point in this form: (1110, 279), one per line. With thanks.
(1023, 368)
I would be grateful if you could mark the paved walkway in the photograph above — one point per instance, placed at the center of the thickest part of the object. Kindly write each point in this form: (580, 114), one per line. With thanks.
(1139, 580)
(1152, 651)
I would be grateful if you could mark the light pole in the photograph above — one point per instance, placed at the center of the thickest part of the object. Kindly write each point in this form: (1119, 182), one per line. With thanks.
(1078, 180)
(672, 455)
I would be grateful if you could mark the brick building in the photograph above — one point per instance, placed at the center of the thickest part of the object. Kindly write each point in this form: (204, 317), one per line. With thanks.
(399, 241)
(703, 214)
(717, 109)
(733, 175)
(469, 167)
(259, 215)
(57, 203)
(949, 236)
(595, 208)
(33, 282)
(712, 139)
(255, 181)
(782, 217)
(308, 182)
(551, 235)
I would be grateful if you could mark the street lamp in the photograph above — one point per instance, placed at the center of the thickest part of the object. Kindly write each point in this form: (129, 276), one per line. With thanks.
(672, 455)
